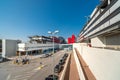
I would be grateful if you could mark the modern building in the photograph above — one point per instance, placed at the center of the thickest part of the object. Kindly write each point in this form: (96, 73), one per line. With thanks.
(72, 39)
(46, 40)
(8, 47)
(35, 48)
(103, 27)
(102, 31)
(39, 44)
(43, 39)
(40, 39)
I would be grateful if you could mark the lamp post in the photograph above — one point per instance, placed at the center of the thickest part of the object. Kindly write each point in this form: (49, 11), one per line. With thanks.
(53, 33)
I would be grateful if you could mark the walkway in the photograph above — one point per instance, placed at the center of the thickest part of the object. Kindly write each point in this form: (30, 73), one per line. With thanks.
(72, 71)
(73, 74)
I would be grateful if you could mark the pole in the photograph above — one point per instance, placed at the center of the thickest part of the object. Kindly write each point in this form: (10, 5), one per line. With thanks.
(53, 56)
(53, 44)
(53, 33)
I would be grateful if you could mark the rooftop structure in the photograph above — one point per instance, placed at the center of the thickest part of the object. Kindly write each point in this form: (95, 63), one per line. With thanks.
(40, 39)
(46, 40)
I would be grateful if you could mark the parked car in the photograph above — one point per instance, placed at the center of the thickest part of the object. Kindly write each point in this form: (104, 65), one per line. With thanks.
(50, 77)
(62, 61)
(58, 68)
(25, 61)
(64, 58)
(66, 55)
(1, 58)
(44, 55)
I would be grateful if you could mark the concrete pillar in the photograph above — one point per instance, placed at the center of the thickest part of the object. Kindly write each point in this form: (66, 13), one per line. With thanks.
(19, 53)
(108, 2)
(26, 52)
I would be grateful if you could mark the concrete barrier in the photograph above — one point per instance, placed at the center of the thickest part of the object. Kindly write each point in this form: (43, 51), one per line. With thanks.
(65, 72)
(104, 63)
(85, 68)
(80, 71)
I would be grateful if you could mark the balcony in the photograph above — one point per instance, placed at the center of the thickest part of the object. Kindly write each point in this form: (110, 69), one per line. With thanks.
(103, 20)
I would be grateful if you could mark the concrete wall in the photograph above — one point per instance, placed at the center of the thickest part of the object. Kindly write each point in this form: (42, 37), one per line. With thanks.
(3, 48)
(113, 41)
(79, 68)
(9, 47)
(103, 63)
(98, 42)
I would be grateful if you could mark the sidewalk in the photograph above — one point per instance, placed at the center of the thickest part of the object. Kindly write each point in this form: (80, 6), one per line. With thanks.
(73, 74)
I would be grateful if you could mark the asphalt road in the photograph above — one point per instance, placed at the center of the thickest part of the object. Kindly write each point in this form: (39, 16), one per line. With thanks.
(32, 71)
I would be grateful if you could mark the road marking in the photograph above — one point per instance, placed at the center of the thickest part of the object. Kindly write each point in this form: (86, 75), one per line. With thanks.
(24, 76)
(40, 67)
(8, 77)
(21, 77)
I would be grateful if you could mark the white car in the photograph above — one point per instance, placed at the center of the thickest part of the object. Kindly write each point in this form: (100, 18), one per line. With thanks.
(44, 55)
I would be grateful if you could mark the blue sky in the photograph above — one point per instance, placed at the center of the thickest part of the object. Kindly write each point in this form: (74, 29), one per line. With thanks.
(22, 18)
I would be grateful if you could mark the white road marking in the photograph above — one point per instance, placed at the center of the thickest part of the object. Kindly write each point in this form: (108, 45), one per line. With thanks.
(24, 76)
(21, 78)
(8, 77)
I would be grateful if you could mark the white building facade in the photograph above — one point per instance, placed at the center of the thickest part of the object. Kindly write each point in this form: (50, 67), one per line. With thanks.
(8, 47)
(102, 31)
(103, 27)
(25, 48)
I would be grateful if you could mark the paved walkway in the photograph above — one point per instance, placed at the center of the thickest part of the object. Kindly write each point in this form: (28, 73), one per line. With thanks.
(73, 75)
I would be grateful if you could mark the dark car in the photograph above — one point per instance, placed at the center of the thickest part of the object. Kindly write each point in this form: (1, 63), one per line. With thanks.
(64, 58)
(58, 68)
(52, 77)
(62, 61)
(25, 61)
(46, 55)
(66, 55)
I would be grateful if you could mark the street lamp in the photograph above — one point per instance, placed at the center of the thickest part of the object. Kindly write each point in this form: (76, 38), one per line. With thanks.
(53, 33)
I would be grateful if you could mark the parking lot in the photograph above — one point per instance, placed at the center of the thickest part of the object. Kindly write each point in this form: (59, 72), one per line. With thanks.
(39, 68)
